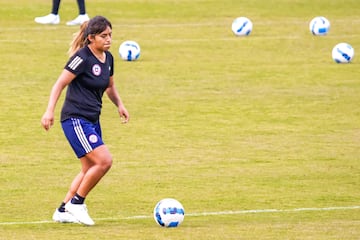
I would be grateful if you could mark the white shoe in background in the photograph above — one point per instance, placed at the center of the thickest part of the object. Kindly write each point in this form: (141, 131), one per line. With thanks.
(78, 20)
(48, 19)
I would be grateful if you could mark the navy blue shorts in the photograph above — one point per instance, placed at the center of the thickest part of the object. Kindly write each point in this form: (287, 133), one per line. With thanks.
(82, 135)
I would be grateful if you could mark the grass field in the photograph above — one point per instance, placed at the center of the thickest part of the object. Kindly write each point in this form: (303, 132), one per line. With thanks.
(258, 137)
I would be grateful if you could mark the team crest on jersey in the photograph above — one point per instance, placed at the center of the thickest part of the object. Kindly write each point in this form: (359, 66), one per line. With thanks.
(96, 69)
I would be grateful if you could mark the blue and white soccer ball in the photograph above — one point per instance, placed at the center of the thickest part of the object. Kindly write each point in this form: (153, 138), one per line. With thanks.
(319, 26)
(169, 213)
(129, 50)
(343, 53)
(241, 26)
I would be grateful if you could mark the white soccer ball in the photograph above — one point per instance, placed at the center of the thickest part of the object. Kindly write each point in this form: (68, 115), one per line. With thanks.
(319, 26)
(343, 53)
(129, 50)
(241, 26)
(169, 213)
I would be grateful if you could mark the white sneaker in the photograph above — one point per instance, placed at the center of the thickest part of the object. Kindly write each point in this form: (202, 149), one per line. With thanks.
(64, 217)
(78, 20)
(48, 19)
(79, 211)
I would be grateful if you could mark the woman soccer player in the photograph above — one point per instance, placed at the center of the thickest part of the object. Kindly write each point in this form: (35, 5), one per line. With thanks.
(88, 74)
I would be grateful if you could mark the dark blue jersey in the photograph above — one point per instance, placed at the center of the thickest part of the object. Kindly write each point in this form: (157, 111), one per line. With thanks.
(84, 93)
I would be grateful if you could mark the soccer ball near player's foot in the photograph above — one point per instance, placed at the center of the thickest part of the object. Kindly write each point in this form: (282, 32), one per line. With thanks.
(169, 213)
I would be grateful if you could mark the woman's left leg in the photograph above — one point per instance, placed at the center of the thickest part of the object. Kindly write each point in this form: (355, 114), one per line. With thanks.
(94, 166)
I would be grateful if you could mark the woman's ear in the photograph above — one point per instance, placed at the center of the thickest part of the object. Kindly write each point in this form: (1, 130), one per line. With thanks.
(90, 38)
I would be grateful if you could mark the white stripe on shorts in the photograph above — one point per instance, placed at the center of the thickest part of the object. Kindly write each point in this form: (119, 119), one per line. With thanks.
(81, 135)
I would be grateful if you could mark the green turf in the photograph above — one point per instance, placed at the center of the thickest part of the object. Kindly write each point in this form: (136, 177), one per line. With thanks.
(219, 122)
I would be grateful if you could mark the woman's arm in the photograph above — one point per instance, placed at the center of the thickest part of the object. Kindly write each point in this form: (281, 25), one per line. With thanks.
(64, 79)
(115, 98)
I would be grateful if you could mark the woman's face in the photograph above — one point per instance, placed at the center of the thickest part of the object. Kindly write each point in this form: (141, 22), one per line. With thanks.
(102, 41)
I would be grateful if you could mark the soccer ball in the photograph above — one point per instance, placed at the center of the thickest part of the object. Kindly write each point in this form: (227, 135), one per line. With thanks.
(343, 53)
(129, 51)
(319, 26)
(169, 213)
(241, 26)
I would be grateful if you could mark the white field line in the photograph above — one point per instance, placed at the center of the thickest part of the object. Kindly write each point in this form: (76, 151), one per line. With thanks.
(221, 22)
(239, 212)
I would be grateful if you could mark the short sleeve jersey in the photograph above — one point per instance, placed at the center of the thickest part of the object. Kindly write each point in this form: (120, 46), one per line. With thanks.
(84, 94)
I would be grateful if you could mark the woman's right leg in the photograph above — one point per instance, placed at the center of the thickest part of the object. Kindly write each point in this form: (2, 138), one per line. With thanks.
(74, 187)
(60, 214)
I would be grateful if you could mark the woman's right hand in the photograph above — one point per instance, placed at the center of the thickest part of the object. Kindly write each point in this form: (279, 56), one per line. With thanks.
(47, 120)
